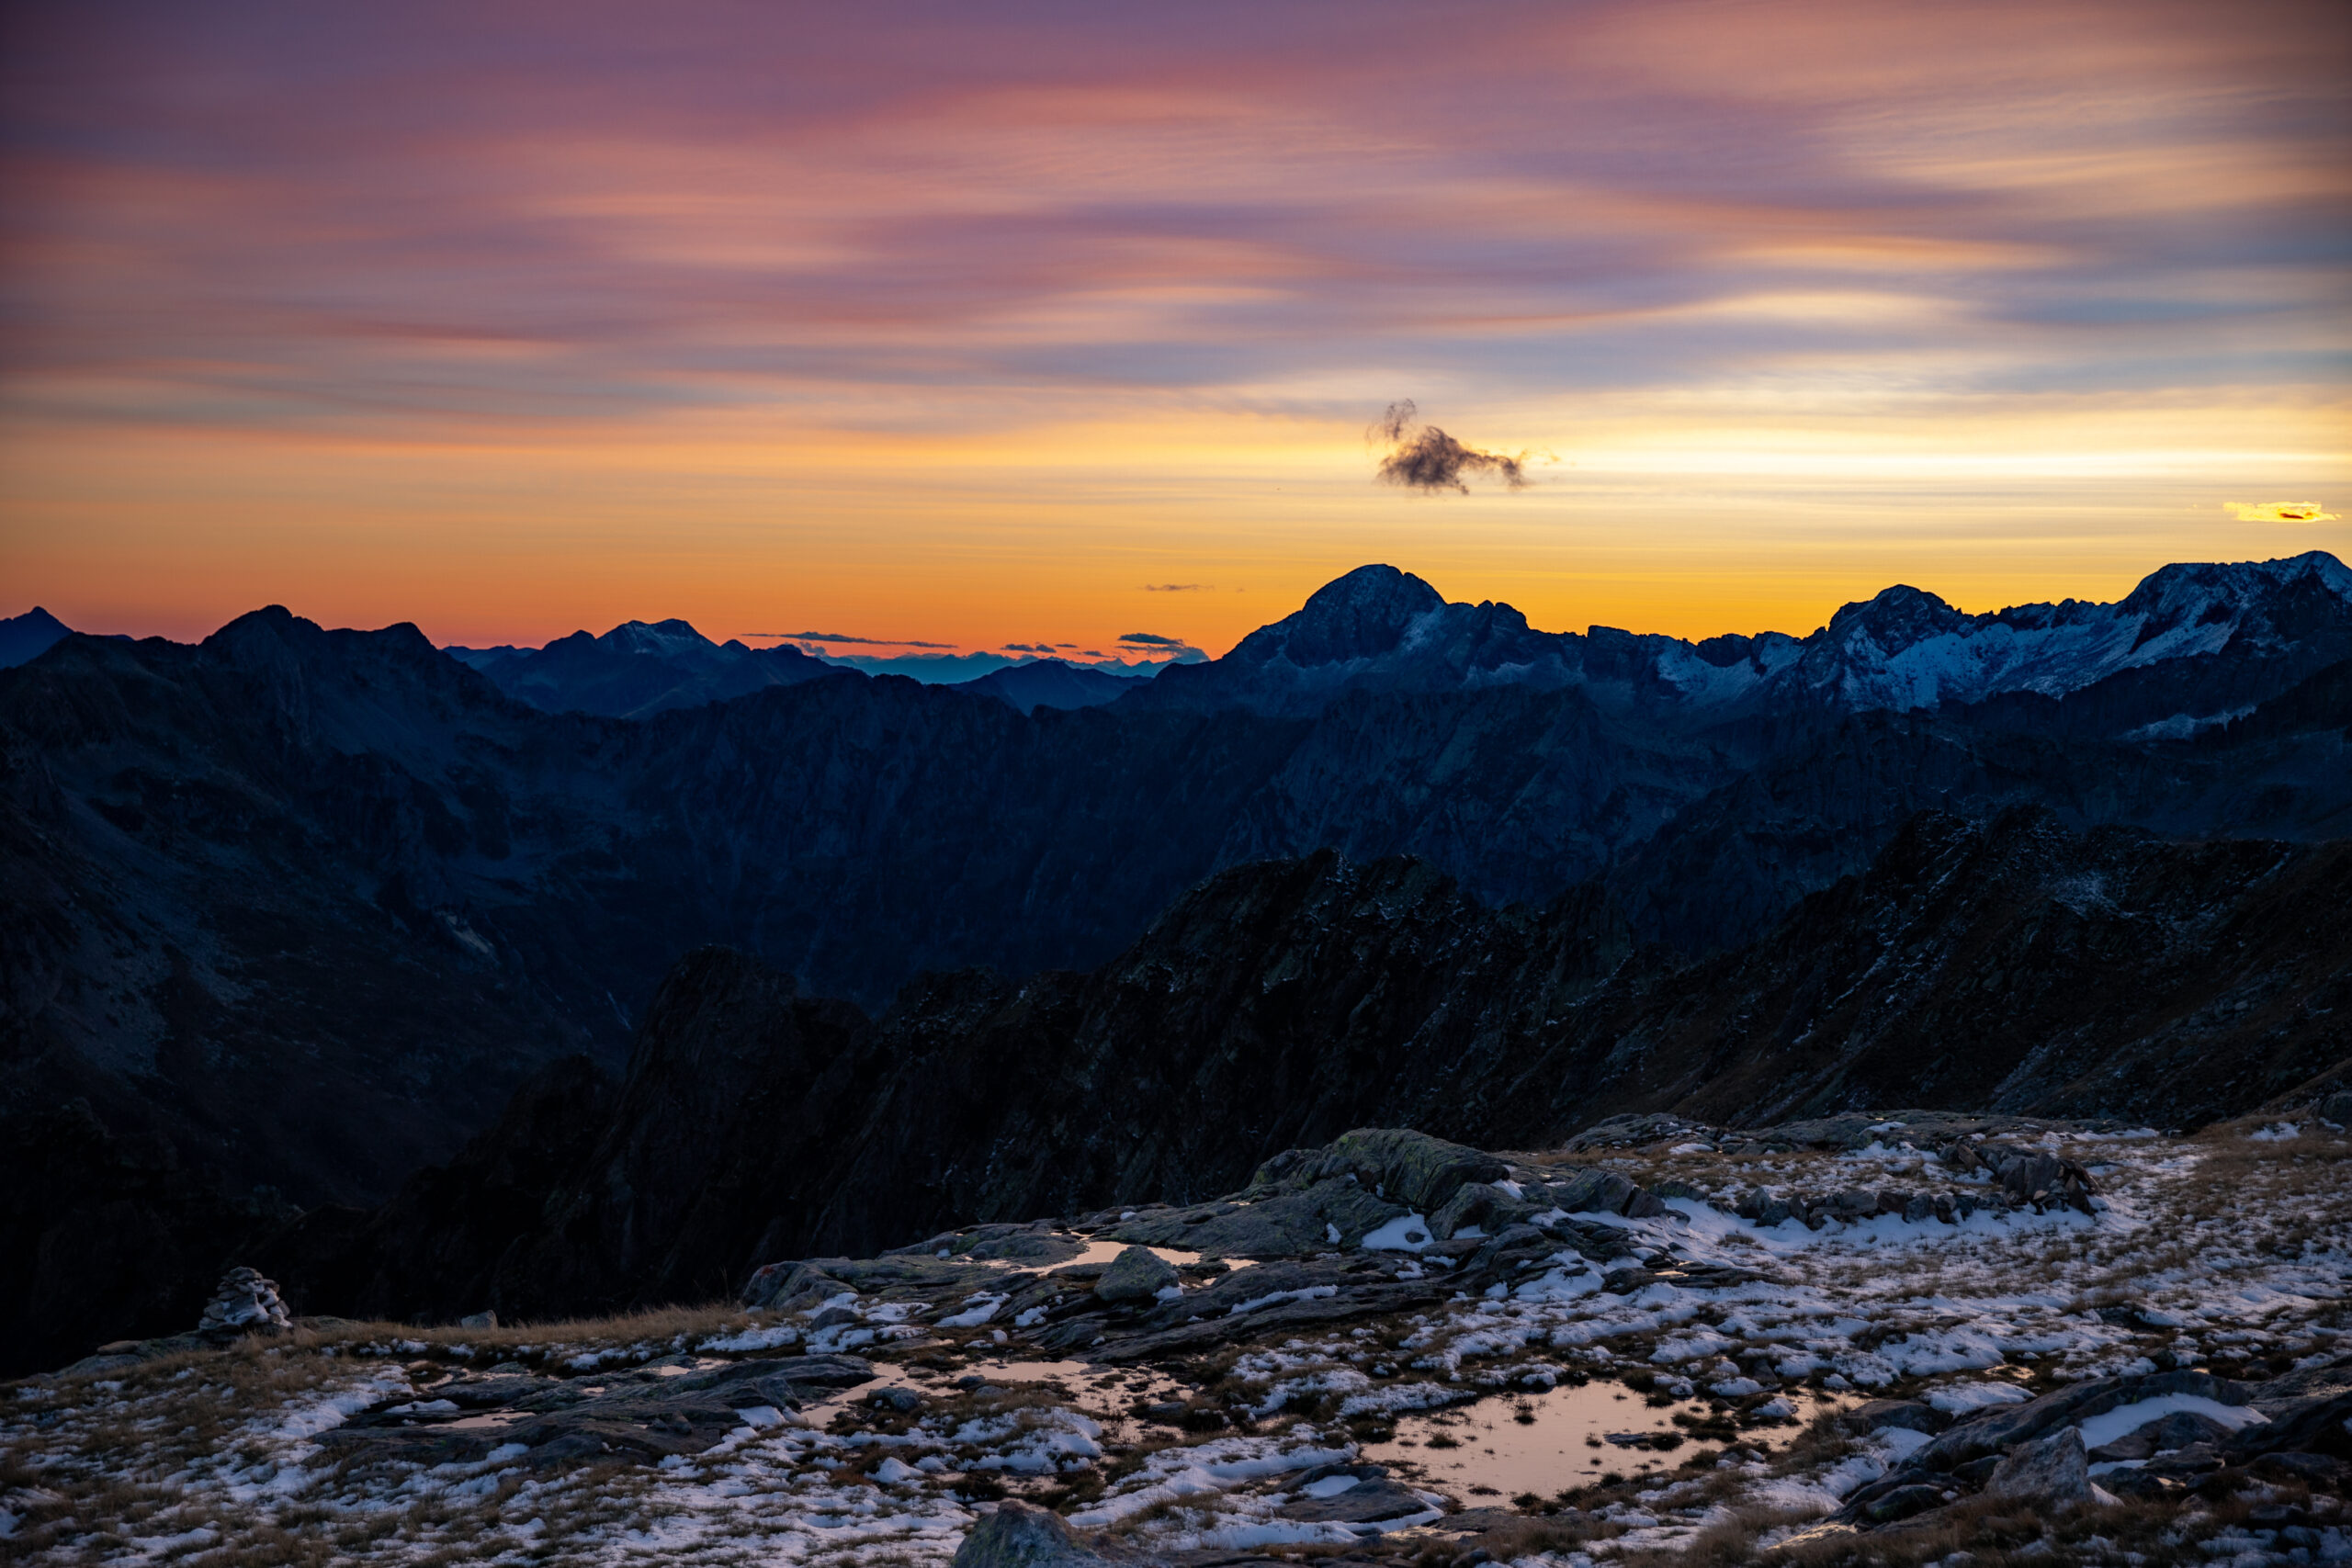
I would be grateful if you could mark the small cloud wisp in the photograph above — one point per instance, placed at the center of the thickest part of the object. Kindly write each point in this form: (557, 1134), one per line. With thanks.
(1423, 457)
(1150, 643)
(839, 636)
(2279, 511)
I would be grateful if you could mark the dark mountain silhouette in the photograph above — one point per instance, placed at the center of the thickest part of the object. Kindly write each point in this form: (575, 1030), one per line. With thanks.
(1052, 684)
(638, 670)
(30, 635)
(308, 906)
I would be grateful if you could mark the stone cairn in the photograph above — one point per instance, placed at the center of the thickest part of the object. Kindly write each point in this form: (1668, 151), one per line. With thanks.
(245, 1302)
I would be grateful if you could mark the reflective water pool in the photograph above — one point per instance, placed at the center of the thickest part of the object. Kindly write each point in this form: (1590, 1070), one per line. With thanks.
(1554, 1440)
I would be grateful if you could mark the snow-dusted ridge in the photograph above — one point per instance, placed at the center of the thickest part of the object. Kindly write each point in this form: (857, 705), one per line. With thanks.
(1379, 628)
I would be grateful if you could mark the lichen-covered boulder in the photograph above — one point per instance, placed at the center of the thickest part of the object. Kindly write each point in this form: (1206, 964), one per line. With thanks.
(1137, 1275)
(1405, 1166)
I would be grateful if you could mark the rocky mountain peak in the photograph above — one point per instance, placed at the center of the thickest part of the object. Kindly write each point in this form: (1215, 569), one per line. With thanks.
(672, 635)
(2212, 601)
(1896, 618)
(30, 636)
(1360, 615)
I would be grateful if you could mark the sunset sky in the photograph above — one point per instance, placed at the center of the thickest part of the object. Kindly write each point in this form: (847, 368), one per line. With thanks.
(983, 324)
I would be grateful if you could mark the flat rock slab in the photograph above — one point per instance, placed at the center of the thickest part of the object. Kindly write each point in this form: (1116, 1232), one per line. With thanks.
(1326, 1214)
(1359, 1301)
(1365, 1503)
(646, 1418)
(2003, 1427)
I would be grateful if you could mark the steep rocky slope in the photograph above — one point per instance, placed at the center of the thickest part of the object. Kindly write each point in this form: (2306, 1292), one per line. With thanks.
(2013, 966)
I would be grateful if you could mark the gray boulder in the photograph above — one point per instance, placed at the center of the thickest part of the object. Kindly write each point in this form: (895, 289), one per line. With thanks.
(1593, 1192)
(2317, 1424)
(1485, 1206)
(2049, 1469)
(1137, 1275)
(2176, 1430)
(1406, 1166)
(1018, 1536)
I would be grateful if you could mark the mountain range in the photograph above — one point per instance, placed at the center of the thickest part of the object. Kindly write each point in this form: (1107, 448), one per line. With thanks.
(294, 912)
(638, 670)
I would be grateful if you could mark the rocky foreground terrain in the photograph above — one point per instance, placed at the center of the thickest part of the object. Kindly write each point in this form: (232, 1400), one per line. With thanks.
(1902, 1339)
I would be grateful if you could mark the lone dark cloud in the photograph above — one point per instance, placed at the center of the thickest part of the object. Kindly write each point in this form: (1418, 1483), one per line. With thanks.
(1421, 457)
(1152, 639)
(1178, 586)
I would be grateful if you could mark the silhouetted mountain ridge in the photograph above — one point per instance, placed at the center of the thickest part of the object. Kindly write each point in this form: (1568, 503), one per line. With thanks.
(309, 904)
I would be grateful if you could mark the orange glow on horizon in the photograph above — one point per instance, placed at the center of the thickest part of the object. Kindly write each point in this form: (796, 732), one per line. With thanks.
(967, 325)
(1057, 533)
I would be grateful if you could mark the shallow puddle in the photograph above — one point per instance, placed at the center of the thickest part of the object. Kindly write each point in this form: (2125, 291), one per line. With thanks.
(1551, 1441)
(1107, 1251)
